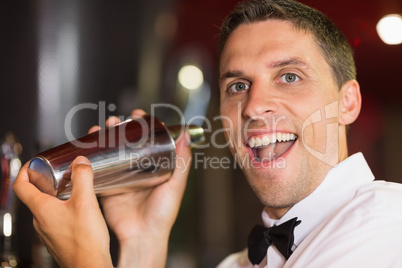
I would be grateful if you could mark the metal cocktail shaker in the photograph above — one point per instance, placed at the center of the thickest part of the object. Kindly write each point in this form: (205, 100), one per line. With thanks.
(137, 153)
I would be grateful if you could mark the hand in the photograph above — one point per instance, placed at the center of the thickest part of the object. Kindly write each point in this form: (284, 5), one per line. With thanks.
(74, 230)
(142, 220)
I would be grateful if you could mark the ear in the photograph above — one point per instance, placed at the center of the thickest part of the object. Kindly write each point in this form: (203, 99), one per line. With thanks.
(350, 101)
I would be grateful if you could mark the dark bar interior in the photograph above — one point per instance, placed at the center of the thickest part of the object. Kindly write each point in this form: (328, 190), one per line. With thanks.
(75, 63)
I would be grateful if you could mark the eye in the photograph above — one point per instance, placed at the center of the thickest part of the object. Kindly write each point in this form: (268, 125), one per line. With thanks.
(289, 78)
(238, 87)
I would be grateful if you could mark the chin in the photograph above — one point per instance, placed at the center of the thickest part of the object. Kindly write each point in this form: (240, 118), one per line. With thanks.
(282, 188)
(273, 189)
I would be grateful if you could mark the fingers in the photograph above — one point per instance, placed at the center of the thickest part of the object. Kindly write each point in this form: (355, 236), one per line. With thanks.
(113, 120)
(94, 129)
(183, 162)
(83, 179)
(31, 196)
(137, 113)
(182, 146)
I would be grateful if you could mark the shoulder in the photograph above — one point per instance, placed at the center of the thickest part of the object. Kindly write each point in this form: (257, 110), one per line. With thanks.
(375, 204)
(379, 198)
(365, 232)
(379, 186)
(375, 208)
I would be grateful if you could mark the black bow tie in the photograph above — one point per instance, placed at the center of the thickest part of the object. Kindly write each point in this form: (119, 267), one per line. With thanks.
(261, 238)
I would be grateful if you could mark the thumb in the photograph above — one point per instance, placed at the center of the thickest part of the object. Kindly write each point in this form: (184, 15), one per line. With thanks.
(82, 178)
(183, 163)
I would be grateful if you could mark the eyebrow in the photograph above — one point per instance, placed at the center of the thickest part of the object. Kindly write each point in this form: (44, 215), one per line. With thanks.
(286, 62)
(229, 74)
(271, 65)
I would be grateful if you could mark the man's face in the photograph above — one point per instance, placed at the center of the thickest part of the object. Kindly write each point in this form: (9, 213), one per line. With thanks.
(273, 78)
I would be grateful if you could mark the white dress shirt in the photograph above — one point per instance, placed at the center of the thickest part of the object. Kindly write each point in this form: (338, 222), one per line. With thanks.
(350, 220)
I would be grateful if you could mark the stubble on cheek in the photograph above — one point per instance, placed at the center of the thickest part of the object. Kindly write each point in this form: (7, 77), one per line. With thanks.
(278, 192)
(274, 194)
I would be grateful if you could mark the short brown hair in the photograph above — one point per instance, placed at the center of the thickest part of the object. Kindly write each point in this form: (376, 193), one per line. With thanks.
(330, 39)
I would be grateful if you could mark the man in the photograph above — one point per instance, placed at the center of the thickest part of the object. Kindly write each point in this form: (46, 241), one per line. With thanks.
(288, 70)
(287, 83)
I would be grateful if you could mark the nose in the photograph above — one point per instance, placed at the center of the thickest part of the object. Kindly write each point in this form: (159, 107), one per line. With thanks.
(261, 102)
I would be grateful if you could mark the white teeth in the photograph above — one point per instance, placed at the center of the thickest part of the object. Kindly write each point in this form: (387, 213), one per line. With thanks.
(251, 142)
(265, 140)
(273, 138)
(269, 139)
(279, 136)
(258, 141)
(292, 136)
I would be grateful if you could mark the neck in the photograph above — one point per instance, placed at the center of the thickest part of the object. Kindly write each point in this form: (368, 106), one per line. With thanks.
(277, 213)
(343, 144)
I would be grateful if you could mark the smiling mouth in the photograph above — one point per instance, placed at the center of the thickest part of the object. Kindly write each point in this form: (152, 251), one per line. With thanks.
(270, 146)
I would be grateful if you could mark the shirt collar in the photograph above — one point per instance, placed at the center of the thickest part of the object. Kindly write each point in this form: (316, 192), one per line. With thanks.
(338, 188)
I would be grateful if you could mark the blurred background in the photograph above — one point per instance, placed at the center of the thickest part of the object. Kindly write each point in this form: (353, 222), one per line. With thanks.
(120, 55)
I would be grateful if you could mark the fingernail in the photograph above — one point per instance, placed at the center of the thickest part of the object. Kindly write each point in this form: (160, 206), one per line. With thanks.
(82, 160)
